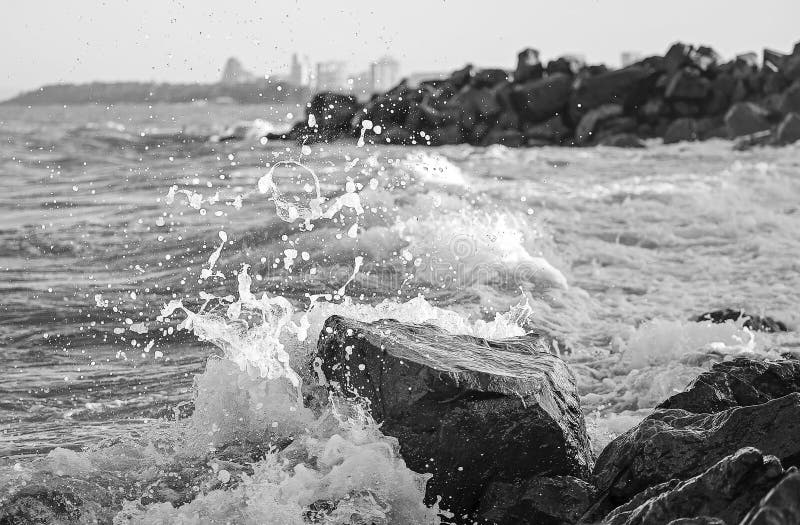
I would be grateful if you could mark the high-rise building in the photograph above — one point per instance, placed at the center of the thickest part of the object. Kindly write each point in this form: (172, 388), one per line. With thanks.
(235, 73)
(331, 76)
(384, 74)
(300, 73)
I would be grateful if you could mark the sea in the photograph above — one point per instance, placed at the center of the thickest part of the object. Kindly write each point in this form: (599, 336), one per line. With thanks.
(165, 274)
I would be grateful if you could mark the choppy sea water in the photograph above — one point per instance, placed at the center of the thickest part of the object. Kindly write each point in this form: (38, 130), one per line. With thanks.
(109, 214)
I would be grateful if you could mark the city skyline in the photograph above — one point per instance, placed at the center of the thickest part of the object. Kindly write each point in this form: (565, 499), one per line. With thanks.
(173, 42)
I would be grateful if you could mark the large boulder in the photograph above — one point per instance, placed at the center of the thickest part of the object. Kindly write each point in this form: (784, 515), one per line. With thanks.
(737, 383)
(626, 87)
(538, 100)
(681, 130)
(552, 130)
(788, 131)
(746, 118)
(781, 506)
(470, 411)
(591, 121)
(489, 78)
(676, 444)
(687, 84)
(529, 67)
(751, 321)
(789, 101)
(727, 491)
(537, 501)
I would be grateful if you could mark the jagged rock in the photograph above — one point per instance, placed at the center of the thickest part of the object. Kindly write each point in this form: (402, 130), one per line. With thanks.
(736, 383)
(681, 130)
(746, 118)
(476, 105)
(753, 322)
(447, 135)
(584, 132)
(551, 131)
(332, 116)
(727, 491)
(781, 506)
(470, 411)
(462, 77)
(687, 84)
(538, 100)
(677, 57)
(622, 140)
(537, 501)
(529, 67)
(675, 444)
(788, 131)
(567, 65)
(625, 87)
(789, 101)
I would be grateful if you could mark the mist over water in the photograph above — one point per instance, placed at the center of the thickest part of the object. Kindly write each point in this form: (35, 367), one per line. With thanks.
(108, 215)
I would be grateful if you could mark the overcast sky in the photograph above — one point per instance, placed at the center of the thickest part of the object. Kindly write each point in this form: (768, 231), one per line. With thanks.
(80, 41)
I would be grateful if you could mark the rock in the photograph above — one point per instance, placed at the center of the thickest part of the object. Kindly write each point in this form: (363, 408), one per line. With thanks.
(781, 506)
(538, 100)
(567, 65)
(462, 77)
(788, 131)
(470, 411)
(789, 101)
(737, 383)
(529, 67)
(477, 105)
(762, 138)
(746, 118)
(773, 59)
(681, 130)
(591, 121)
(625, 87)
(677, 57)
(675, 444)
(727, 490)
(552, 130)
(537, 501)
(622, 140)
(489, 78)
(687, 84)
(447, 135)
(699, 520)
(753, 322)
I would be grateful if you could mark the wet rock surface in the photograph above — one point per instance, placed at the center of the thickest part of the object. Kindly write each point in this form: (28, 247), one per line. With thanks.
(737, 383)
(753, 322)
(473, 412)
(537, 501)
(781, 506)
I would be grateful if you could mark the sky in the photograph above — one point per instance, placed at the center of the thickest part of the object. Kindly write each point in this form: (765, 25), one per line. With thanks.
(50, 41)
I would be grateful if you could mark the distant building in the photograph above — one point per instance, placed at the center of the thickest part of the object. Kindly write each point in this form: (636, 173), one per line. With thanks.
(300, 73)
(384, 74)
(630, 57)
(331, 76)
(235, 73)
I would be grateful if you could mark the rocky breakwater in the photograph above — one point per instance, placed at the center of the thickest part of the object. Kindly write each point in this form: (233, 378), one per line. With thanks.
(497, 423)
(687, 94)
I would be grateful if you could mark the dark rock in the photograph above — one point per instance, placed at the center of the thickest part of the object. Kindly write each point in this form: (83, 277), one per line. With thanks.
(551, 131)
(626, 87)
(462, 77)
(773, 59)
(753, 322)
(447, 135)
(539, 100)
(489, 78)
(622, 140)
(678, 56)
(477, 105)
(727, 490)
(698, 520)
(567, 65)
(791, 68)
(681, 130)
(591, 121)
(470, 411)
(737, 383)
(529, 67)
(396, 135)
(790, 100)
(722, 89)
(675, 444)
(745, 118)
(687, 84)
(788, 130)
(762, 138)
(781, 506)
(333, 111)
(537, 501)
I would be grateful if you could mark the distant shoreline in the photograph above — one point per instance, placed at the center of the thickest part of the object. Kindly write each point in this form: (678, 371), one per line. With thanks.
(258, 92)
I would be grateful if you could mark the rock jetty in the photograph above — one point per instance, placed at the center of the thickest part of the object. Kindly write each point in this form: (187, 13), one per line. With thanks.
(687, 94)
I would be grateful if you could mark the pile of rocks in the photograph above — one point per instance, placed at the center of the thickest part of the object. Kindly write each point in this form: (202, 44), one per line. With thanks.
(687, 94)
(498, 424)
